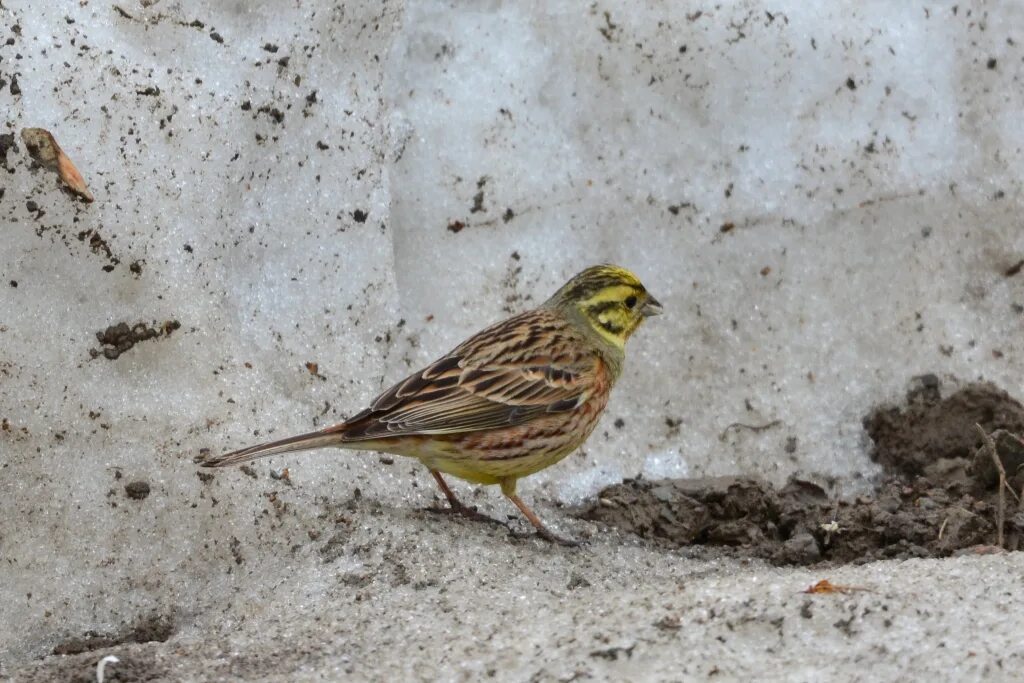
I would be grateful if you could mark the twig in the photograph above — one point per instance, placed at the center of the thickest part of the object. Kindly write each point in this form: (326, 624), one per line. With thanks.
(1001, 510)
(753, 428)
(1013, 493)
(942, 528)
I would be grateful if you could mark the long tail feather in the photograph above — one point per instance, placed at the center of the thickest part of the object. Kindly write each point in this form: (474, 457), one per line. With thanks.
(303, 442)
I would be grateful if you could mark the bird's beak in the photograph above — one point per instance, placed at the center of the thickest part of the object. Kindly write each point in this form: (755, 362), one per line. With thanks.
(651, 307)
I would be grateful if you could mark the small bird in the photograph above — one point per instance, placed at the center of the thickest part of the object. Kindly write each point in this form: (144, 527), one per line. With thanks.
(511, 400)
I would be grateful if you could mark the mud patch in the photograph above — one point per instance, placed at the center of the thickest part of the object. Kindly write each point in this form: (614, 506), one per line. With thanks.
(135, 666)
(938, 496)
(148, 629)
(119, 338)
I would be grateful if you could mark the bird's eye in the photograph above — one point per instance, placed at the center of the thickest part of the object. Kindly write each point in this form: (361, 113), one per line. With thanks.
(630, 301)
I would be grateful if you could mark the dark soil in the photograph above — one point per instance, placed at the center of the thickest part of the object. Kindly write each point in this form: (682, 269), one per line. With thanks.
(136, 666)
(148, 629)
(911, 438)
(938, 495)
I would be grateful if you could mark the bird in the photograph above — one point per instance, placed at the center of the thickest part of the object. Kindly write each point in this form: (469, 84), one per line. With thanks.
(513, 399)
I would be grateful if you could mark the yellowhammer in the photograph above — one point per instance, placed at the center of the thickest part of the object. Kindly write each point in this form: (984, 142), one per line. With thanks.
(509, 401)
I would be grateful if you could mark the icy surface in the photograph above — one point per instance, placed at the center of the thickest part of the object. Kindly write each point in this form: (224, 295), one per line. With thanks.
(826, 201)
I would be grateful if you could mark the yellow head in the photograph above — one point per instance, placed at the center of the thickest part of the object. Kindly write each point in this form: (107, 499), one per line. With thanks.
(611, 299)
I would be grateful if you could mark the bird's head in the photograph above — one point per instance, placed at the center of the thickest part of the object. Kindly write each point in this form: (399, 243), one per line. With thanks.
(611, 299)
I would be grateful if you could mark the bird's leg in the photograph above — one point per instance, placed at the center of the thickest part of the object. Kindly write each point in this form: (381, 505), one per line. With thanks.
(456, 507)
(452, 500)
(508, 487)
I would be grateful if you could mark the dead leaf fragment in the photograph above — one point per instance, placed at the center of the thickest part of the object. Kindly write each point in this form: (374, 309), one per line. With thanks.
(48, 154)
(314, 369)
(826, 587)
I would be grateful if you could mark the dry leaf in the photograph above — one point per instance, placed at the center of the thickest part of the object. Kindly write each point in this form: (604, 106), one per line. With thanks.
(48, 154)
(827, 587)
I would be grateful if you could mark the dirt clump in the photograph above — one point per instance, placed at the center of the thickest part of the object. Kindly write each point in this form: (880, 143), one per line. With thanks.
(119, 338)
(938, 495)
(7, 143)
(137, 490)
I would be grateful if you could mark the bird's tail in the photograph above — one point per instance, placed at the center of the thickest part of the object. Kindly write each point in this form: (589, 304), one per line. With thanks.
(332, 436)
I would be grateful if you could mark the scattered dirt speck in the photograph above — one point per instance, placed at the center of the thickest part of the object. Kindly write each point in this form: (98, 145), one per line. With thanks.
(236, 550)
(478, 198)
(273, 112)
(98, 245)
(334, 547)
(577, 580)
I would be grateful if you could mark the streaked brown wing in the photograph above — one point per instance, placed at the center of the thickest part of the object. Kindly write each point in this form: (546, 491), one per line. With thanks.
(507, 374)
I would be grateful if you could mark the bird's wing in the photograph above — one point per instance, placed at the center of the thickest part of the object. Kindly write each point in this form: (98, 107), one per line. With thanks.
(509, 373)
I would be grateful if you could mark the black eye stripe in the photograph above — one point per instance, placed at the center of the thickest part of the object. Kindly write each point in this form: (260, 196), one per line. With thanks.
(600, 308)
